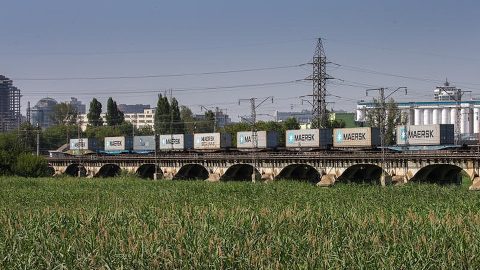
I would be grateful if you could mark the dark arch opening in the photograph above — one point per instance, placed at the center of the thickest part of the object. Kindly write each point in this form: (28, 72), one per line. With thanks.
(72, 170)
(240, 172)
(148, 171)
(362, 174)
(301, 172)
(109, 170)
(191, 172)
(441, 174)
(50, 171)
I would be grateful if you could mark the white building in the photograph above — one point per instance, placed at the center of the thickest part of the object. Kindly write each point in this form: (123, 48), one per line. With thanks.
(139, 120)
(444, 110)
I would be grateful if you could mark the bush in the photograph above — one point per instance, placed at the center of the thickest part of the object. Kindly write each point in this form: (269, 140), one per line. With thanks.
(28, 165)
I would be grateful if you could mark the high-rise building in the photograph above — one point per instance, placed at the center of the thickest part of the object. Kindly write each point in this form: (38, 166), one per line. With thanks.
(41, 113)
(75, 103)
(9, 105)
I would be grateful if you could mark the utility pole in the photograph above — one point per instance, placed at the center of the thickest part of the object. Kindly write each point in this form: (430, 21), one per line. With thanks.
(381, 121)
(253, 119)
(215, 111)
(319, 78)
(171, 119)
(80, 147)
(38, 139)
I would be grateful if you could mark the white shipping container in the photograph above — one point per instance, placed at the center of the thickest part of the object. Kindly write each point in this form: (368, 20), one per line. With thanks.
(356, 137)
(308, 138)
(245, 139)
(144, 143)
(118, 143)
(425, 134)
(176, 142)
(212, 141)
(77, 144)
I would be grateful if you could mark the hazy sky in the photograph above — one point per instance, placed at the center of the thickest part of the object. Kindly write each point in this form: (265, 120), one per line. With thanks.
(370, 44)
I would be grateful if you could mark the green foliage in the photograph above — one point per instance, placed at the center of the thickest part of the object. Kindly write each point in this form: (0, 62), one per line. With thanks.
(162, 116)
(291, 123)
(188, 120)
(329, 124)
(389, 114)
(99, 133)
(207, 124)
(28, 165)
(55, 136)
(11, 146)
(64, 114)
(94, 113)
(113, 116)
(178, 126)
(133, 224)
(144, 131)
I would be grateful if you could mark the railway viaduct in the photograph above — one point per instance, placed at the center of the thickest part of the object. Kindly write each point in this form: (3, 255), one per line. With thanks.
(322, 168)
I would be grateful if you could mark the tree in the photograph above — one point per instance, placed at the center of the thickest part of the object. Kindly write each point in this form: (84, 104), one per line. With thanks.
(64, 114)
(58, 135)
(329, 124)
(178, 125)
(162, 116)
(207, 123)
(114, 116)
(94, 113)
(390, 120)
(188, 120)
(291, 123)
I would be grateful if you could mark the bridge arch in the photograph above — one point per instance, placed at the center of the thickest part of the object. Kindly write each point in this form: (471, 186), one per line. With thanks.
(362, 174)
(109, 170)
(148, 170)
(240, 172)
(72, 170)
(442, 174)
(301, 172)
(192, 172)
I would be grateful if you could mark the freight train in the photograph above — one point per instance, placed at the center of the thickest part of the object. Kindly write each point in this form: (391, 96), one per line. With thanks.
(341, 139)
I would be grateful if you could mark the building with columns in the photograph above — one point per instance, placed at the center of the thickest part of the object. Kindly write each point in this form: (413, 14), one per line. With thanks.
(446, 107)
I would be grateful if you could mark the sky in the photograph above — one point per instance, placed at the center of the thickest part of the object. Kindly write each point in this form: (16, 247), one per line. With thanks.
(131, 50)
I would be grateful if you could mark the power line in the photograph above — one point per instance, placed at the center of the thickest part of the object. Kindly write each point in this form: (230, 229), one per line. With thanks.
(159, 75)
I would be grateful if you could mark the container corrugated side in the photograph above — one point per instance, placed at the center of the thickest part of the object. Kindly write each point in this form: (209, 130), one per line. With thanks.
(144, 143)
(212, 141)
(118, 143)
(245, 139)
(354, 137)
(302, 138)
(175, 142)
(84, 144)
(423, 134)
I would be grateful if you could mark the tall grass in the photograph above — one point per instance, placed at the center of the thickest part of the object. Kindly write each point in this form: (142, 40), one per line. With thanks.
(132, 223)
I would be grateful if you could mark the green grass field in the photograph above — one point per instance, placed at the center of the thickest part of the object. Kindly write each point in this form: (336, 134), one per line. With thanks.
(132, 223)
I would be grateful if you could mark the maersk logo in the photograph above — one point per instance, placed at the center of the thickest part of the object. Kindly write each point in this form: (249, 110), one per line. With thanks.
(339, 136)
(242, 139)
(291, 138)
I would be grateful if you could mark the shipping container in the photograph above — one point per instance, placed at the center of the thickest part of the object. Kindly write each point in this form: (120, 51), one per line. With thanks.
(314, 138)
(83, 144)
(144, 143)
(118, 144)
(356, 137)
(176, 142)
(265, 139)
(212, 141)
(440, 134)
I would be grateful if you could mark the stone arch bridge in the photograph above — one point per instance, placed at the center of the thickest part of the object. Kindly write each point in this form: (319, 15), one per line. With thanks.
(323, 168)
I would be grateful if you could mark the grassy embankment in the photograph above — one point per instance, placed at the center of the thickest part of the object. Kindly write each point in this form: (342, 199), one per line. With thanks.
(47, 223)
